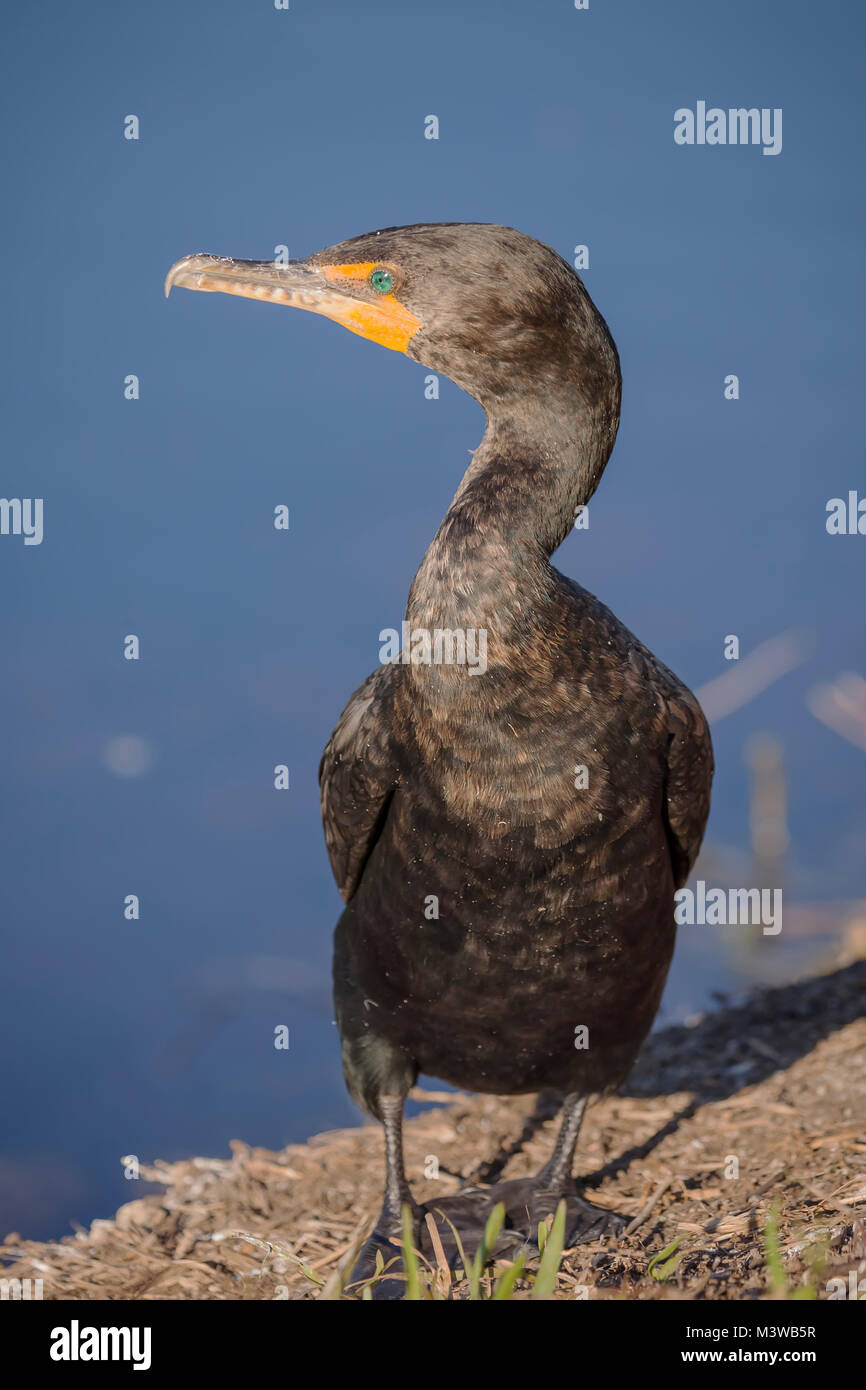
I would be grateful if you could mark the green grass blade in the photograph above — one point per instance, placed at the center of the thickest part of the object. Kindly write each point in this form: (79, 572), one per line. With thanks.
(671, 1260)
(541, 1238)
(414, 1291)
(545, 1279)
(495, 1222)
(506, 1281)
(778, 1280)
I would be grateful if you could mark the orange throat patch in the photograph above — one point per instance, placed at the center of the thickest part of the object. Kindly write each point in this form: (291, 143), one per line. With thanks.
(384, 320)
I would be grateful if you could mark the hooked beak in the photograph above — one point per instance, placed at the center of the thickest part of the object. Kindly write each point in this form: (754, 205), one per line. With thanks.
(338, 292)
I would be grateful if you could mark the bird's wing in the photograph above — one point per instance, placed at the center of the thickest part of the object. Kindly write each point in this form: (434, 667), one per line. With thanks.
(356, 780)
(688, 781)
(677, 719)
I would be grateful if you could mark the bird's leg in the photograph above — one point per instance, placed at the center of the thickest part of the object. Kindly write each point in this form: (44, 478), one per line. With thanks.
(388, 1231)
(555, 1176)
(530, 1201)
(397, 1191)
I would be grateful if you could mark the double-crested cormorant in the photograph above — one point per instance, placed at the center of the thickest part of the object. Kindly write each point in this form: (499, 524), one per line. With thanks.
(545, 959)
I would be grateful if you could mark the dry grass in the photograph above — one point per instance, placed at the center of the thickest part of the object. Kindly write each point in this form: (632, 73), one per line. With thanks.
(778, 1083)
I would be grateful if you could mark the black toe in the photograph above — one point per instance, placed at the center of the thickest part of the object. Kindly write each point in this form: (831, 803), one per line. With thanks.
(467, 1213)
(390, 1285)
(529, 1203)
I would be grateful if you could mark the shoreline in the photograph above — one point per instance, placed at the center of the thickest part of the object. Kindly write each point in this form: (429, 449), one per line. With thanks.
(759, 1108)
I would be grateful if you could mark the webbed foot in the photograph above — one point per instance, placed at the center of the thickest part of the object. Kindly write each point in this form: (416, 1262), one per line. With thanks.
(529, 1203)
(380, 1260)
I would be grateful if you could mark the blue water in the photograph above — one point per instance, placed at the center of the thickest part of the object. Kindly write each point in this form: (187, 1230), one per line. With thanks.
(260, 128)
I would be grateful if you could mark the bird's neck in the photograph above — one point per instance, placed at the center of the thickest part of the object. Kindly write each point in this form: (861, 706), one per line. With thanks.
(539, 461)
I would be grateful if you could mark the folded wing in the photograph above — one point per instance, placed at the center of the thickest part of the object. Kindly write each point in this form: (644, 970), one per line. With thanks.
(357, 780)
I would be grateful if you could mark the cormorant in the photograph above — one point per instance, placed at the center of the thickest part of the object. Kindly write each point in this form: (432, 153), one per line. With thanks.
(549, 804)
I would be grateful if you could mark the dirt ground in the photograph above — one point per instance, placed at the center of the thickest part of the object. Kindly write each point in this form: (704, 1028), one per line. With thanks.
(756, 1108)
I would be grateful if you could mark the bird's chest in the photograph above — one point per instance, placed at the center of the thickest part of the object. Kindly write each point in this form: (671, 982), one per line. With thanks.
(522, 843)
(536, 769)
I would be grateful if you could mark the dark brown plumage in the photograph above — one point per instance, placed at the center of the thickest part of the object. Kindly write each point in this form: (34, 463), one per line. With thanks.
(555, 906)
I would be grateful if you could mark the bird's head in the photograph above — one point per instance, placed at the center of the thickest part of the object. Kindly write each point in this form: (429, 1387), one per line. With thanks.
(492, 309)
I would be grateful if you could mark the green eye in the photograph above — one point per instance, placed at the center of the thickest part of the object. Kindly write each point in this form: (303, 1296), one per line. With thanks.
(382, 281)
